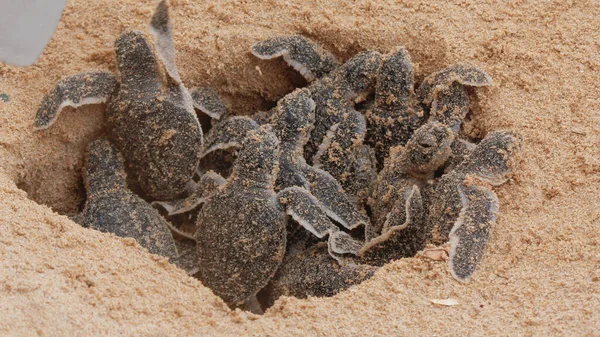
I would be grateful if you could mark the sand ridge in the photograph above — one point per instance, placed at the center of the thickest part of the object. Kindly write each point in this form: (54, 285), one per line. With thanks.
(540, 276)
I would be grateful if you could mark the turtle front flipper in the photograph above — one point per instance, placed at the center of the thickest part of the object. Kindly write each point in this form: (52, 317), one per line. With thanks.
(160, 27)
(305, 209)
(447, 93)
(208, 183)
(335, 201)
(305, 56)
(471, 232)
(491, 158)
(208, 101)
(464, 74)
(82, 89)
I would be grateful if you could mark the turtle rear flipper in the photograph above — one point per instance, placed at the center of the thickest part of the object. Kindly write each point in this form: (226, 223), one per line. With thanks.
(471, 231)
(93, 87)
(305, 56)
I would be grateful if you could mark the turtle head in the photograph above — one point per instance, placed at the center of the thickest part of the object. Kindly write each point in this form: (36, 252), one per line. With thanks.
(361, 70)
(295, 117)
(428, 148)
(103, 167)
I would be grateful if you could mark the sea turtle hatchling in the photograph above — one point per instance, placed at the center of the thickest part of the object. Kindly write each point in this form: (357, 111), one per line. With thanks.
(462, 205)
(239, 252)
(150, 115)
(111, 207)
(313, 272)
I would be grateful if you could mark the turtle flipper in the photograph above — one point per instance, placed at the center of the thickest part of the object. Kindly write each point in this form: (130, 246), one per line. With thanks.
(87, 88)
(306, 210)
(137, 64)
(160, 27)
(228, 133)
(208, 101)
(395, 80)
(332, 196)
(446, 92)
(305, 56)
(464, 74)
(471, 232)
(208, 183)
(490, 160)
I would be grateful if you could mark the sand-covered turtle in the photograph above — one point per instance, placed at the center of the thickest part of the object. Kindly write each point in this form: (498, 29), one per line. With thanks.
(150, 114)
(111, 207)
(335, 89)
(396, 112)
(462, 205)
(241, 227)
(313, 272)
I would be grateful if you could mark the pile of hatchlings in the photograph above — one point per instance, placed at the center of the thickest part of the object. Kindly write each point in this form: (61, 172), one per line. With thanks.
(306, 199)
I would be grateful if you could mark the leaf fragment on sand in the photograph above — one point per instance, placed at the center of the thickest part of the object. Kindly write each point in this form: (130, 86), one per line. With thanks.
(447, 302)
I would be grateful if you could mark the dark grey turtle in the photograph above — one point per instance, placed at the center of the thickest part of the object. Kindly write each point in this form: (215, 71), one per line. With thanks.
(313, 272)
(111, 207)
(462, 206)
(398, 227)
(149, 115)
(239, 252)
(396, 112)
(338, 88)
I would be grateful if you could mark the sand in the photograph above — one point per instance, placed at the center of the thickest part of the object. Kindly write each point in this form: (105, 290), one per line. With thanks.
(541, 275)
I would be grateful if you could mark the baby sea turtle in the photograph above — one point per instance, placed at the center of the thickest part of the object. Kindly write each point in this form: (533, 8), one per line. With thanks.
(335, 92)
(398, 222)
(112, 207)
(150, 115)
(462, 205)
(313, 272)
(396, 112)
(238, 253)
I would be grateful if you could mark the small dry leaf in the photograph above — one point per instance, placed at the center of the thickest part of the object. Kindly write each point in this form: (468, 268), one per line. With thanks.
(435, 253)
(447, 302)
